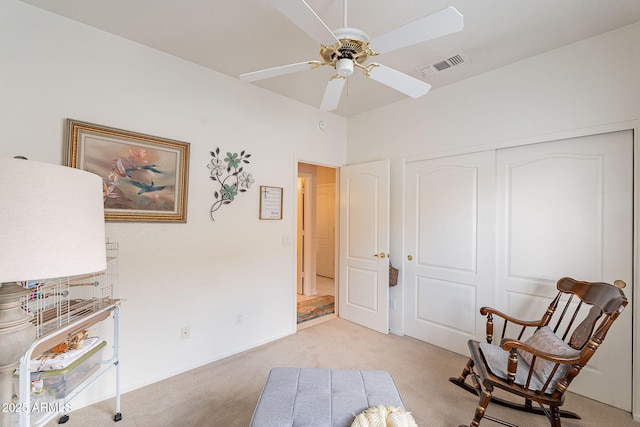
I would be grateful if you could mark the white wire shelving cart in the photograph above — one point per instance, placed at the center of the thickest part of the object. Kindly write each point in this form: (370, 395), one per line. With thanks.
(62, 310)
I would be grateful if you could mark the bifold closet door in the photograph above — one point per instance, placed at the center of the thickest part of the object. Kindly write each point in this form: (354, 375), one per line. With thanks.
(565, 208)
(449, 248)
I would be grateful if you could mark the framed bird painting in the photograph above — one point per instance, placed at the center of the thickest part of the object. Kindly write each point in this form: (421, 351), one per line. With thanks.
(144, 177)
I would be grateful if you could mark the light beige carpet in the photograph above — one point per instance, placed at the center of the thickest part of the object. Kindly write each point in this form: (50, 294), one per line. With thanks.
(224, 393)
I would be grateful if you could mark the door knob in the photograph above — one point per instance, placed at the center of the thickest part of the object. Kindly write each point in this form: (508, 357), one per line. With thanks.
(380, 255)
(409, 257)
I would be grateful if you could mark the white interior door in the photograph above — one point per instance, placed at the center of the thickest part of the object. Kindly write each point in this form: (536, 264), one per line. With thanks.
(306, 251)
(364, 245)
(449, 248)
(565, 209)
(300, 237)
(325, 230)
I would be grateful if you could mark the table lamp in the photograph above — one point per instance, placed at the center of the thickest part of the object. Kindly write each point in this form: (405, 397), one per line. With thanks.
(51, 226)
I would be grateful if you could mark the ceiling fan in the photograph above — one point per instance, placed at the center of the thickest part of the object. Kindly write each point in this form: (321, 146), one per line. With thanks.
(348, 48)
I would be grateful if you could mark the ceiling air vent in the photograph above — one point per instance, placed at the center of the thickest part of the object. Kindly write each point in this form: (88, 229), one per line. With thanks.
(444, 64)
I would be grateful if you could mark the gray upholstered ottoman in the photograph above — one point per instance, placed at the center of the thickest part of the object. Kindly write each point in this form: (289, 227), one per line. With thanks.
(316, 397)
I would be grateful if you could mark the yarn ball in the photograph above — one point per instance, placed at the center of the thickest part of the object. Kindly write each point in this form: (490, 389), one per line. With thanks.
(384, 416)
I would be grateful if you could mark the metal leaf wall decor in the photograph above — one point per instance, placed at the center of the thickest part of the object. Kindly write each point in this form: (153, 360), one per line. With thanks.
(229, 175)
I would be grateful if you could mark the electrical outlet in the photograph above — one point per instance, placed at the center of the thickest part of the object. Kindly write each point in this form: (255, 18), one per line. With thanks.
(238, 319)
(392, 304)
(185, 333)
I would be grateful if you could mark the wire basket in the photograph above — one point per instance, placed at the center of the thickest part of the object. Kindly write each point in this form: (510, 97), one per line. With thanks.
(393, 275)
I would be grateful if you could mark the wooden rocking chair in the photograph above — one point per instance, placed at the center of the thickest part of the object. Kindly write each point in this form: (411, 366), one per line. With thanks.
(541, 367)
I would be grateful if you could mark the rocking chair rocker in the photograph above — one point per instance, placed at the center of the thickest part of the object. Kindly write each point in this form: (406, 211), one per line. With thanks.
(541, 363)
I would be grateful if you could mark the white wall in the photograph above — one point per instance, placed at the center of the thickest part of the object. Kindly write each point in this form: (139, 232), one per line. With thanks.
(202, 273)
(585, 87)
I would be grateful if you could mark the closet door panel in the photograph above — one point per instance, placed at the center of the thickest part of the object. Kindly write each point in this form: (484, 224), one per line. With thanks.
(565, 209)
(449, 238)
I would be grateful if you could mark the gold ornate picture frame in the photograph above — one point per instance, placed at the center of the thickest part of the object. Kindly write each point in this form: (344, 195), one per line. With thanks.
(144, 177)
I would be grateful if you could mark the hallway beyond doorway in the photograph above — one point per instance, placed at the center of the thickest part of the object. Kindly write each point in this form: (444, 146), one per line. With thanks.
(324, 286)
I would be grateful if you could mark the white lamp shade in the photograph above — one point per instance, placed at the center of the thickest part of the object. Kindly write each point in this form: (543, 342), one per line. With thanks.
(51, 221)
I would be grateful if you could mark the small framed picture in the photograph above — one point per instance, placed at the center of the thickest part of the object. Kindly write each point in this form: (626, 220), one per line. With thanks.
(270, 202)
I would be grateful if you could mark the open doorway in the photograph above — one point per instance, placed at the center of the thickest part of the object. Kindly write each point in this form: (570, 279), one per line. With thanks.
(316, 242)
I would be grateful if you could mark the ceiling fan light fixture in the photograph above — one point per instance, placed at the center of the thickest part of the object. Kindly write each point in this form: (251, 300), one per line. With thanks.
(344, 67)
(346, 48)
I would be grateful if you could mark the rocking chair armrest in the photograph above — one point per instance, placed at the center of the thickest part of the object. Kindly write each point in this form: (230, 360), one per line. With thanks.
(508, 344)
(492, 311)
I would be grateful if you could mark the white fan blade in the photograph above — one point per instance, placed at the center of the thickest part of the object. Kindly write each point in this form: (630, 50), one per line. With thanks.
(399, 81)
(439, 24)
(332, 94)
(278, 71)
(304, 17)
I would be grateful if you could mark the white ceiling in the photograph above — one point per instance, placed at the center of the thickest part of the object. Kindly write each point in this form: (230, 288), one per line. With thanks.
(240, 36)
